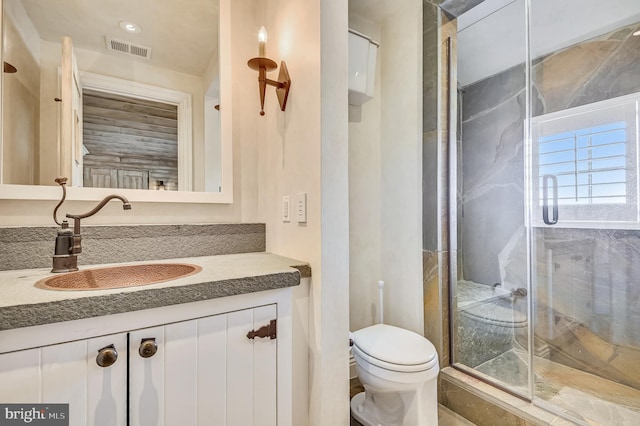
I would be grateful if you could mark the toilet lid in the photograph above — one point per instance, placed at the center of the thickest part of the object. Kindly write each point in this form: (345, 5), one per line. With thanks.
(394, 345)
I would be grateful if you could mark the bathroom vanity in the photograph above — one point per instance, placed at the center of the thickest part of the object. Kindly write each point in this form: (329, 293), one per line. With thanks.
(187, 351)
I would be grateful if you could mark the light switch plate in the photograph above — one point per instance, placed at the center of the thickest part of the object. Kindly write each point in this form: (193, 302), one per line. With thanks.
(300, 206)
(286, 209)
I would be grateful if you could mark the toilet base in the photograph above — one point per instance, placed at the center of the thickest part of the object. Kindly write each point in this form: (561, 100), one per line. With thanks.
(396, 409)
(363, 417)
(366, 417)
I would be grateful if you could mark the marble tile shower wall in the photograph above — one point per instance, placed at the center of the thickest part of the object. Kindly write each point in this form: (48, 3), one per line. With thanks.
(437, 30)
(490, 170)
(32, 247)
(596, 280)
(596, 293)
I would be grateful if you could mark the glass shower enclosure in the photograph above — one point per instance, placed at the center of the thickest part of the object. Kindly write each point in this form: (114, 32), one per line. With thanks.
(545, 280)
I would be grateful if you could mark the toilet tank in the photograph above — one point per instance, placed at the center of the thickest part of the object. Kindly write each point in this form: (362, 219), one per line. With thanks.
(362, 67)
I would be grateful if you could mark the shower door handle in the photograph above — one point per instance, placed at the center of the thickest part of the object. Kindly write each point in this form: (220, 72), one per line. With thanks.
(545, 199)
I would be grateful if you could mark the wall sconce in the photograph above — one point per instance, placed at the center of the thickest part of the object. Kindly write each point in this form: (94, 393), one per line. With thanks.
(264, 65)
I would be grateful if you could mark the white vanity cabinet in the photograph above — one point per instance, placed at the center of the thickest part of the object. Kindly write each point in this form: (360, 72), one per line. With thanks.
(203, 371)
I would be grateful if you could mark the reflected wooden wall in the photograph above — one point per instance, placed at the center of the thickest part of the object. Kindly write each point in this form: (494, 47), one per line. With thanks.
(132, 143)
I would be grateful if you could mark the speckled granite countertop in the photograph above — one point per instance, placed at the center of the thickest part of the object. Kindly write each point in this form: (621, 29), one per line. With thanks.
(23, 305)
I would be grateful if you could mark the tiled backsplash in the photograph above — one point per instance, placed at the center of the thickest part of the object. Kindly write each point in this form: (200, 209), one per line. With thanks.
(32, 247)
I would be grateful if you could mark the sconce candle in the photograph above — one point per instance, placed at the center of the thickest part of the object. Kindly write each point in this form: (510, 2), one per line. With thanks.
(262, 42)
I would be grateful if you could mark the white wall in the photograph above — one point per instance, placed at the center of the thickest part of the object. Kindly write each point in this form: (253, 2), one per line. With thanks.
(385, 169)
(331, 300)
(304, 150)
(364, 198)
(289, 149)
(401, 151)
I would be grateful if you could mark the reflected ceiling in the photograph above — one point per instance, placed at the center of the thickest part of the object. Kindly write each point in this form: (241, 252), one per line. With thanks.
(183, 34)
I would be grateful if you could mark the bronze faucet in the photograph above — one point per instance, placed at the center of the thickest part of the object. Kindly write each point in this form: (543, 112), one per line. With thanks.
(69, 243)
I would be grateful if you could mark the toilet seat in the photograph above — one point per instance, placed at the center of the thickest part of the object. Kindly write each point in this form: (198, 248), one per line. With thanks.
(394, 349)
(493, 314)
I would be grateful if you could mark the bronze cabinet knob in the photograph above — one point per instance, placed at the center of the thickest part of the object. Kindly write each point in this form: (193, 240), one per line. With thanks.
(148, 348)
(107, 356)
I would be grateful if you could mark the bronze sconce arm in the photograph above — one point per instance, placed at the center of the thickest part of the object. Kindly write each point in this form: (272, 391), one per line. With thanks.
(282, 85)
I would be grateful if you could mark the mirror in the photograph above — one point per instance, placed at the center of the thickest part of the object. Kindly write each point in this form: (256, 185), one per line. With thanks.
(114, 94)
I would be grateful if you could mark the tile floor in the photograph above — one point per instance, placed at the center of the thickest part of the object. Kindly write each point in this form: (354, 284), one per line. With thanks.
(596, 400)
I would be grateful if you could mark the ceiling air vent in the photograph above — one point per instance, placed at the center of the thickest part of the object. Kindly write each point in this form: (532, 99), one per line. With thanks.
(125, 47)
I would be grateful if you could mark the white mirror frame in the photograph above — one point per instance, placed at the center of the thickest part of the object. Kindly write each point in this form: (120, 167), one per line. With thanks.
(43, 192)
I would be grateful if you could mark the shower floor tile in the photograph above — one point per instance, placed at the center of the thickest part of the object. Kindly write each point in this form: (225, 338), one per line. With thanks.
(509, 367)
(596, 400)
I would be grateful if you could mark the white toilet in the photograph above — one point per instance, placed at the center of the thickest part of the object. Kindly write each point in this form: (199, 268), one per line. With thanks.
(399, 370)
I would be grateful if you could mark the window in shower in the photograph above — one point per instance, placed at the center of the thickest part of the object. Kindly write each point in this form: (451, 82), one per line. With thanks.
(590, 164)
(587, 158)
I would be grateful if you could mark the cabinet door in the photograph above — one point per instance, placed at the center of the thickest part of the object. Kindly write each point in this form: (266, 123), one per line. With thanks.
(20, 376)
(107, 386)
(68, 373)
(205, 372)
(146, 378)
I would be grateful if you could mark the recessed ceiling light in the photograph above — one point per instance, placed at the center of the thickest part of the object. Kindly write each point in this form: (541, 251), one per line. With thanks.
(637, 33)
(130, 27)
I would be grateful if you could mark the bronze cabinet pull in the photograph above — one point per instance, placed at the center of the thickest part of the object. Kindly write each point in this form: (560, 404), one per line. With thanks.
(269, 330)
(148, 347)
(107, 356)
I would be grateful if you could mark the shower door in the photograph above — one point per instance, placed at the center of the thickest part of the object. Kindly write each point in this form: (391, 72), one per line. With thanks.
(490, 267)
(545, 265)
(584, 212)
